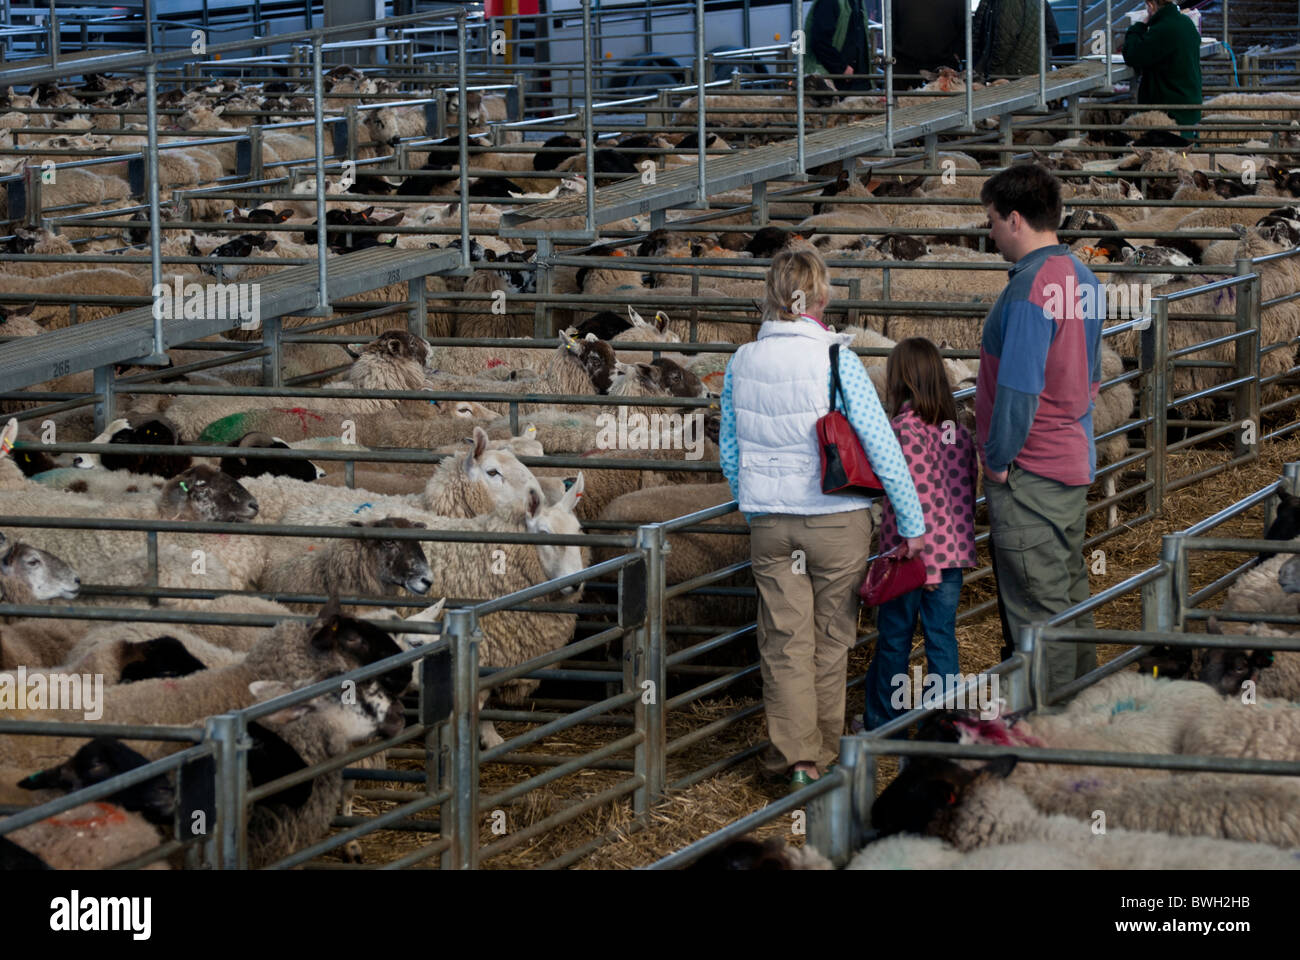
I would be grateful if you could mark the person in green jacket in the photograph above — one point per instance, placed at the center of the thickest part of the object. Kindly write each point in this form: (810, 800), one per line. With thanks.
(1167, 50)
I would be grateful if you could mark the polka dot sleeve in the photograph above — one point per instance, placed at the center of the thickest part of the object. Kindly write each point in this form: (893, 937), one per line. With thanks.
(728, 447)
(881, 445)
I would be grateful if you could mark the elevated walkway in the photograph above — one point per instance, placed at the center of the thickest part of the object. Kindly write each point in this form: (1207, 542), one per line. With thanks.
(679, 187)
(128, 336)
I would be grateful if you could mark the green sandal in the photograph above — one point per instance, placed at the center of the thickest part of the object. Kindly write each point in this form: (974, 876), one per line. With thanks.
(800, 779)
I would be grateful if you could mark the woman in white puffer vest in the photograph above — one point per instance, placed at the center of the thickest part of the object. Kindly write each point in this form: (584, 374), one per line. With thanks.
(809, 549)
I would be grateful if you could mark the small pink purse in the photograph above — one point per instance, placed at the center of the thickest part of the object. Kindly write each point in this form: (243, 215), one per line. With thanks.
(891, 576)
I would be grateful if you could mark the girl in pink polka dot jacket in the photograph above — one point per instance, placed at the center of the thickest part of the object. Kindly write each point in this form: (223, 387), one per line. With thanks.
(941, 457)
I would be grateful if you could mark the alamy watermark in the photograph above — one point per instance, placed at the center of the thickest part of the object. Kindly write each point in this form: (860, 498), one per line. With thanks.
(952, 691)
(53, 691)
(655, 431)
(1113, 301)
(237, 302)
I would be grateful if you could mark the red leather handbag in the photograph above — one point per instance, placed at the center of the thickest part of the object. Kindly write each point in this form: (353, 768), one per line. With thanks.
(892, 575)
(845, 467)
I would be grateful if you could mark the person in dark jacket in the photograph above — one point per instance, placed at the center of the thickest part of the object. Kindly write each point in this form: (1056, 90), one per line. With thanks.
(1167, 50)
(837, 41)
(929, 34)
(1005, 37)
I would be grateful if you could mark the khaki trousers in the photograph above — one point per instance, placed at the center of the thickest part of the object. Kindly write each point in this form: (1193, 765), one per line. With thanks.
(807, 569)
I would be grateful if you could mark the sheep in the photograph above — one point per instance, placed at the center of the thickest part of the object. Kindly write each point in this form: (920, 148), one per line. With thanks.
(200, 493)
(469, 569)
(988, 823)
(28, 574)
(690, 554)
(368, 568)
(92, 836)
(394, 360)
(474, 482)
(314, 732)
(1279, 678)
(1258, 590)
(292, 652)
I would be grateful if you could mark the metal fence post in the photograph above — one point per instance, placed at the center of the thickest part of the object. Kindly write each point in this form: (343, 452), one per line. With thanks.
(649, 672)
(1042, 54)
(32, 198)
(322, 250)
(271, 367)
(461, 629)
(417, 320)
(1173, 553)
(887, 21)
(970, 73)
(1031, 644)
(541, 315)
(758, 216)
(106, 404)
(227, 848)
(1291, 478)
(462, 139)
(1246, 403)
(701, 190)
(155, 218)
(350, 118)
(861, 769)
(1155, 360)
(1110, 49)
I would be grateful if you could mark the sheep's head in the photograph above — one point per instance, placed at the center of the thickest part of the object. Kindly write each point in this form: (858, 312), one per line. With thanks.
(596, 357)
(1171, 663)
(401, 563)
(1228, 670)
(1286, 525)
(401, 345)
(384, 126)
(205, 493)
(921, 797)
(559, 518)
(99, 760)
(239, 467)
(499, 472)
(87, 461)
(343, 644)
(899, 246)
(520, 281)
(45, 575)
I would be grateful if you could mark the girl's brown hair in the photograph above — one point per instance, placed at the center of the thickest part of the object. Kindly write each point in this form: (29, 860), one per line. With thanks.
(793, 272)
(914, 374)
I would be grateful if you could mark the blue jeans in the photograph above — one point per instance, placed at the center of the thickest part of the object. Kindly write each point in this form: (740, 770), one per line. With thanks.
(896, 621)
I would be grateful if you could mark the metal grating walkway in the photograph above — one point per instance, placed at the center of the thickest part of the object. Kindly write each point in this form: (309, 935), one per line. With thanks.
(129, 335)
(745, 167)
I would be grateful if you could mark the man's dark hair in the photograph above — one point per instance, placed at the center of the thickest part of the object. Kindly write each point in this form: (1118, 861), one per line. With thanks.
(1029, 190)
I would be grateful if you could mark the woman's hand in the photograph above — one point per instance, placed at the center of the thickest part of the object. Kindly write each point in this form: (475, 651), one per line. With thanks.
(915, 545)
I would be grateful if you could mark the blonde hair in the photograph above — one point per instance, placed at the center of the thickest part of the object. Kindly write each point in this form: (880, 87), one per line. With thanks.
(795, 272)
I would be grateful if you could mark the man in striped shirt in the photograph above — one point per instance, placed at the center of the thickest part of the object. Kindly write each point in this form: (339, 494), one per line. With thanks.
(1040, 369)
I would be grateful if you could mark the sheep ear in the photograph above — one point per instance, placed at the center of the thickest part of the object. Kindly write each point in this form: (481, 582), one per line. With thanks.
(571, 496)
(325, 628)
(480, 443)
(1001, 767)
(7, 436)
(1200, 179)
(263, 690)
(636, 318)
